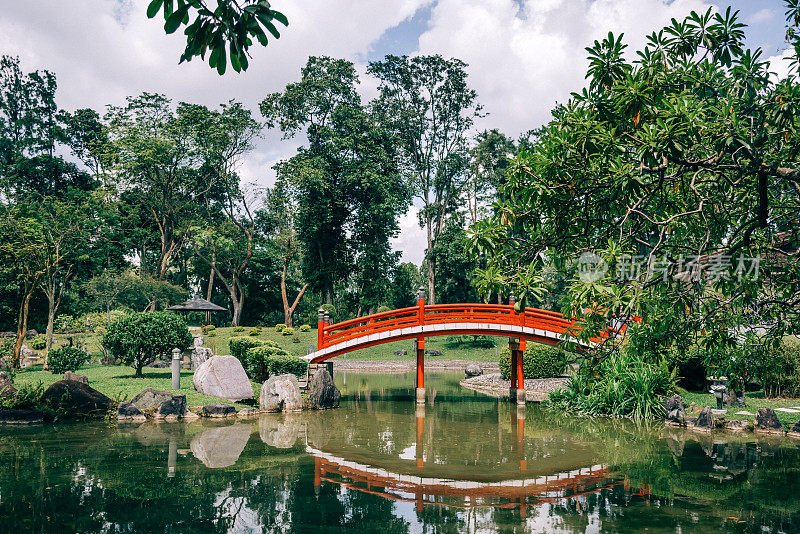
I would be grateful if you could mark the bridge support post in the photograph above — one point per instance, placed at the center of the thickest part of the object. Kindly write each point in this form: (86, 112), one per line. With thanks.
(517, 390)
(419, 347)
(420, 413)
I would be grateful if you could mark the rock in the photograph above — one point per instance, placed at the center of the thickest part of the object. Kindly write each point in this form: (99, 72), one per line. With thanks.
(7, 389)
(217, 410)
(127, 411)
(705, 421)
(400, 352)
(737, 425)
(76, 397)
(224, 377)
(172, 408)
(473, 369)
(248, 412)
(26, 352)
(767, 421)
(322, 392)
(280, 392)
(675, 410)
(795, 430)
(281, 433)
(735, 399)
(222, 446)
(188, 414)
(150, 399)
(159, 364)
(200, 355)
(69, 375)
(21, 416)
(433, 352)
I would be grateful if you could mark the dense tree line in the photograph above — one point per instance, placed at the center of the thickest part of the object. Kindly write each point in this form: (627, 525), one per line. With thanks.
(139, 205)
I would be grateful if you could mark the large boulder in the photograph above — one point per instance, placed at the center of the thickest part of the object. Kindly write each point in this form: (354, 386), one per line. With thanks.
(150, 399)
(224, 377)
(473, 369)
(705, 421)
(222, 446)
(675, 410)
(172, 408)
(69, 375)
(76, 397)
(280, 393)
(200, 355)
(127, 411)
(767, 421)
(323, 393)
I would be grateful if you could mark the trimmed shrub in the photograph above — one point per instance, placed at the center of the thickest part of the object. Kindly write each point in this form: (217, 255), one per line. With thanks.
(65, 359)
(255, 332)
(38, 343)
(261, 362)
(288, 331)
(212, 334)
(382, 309)
(296, 339)
(538, 361)
(287, 363)
(305, 328)
(209, 328)
(238, 329)
(139, 339)
(279, 327)
(239, 346)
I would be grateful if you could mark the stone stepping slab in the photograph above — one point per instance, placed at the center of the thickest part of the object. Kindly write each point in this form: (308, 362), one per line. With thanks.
(787, 410)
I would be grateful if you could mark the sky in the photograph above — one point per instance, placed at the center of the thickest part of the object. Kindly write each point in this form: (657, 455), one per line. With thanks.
(524, 56)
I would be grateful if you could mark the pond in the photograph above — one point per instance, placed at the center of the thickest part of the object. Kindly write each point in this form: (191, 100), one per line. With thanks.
(464, 462)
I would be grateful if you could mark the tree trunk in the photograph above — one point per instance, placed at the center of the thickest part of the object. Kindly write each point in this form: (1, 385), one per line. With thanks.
(431, 262)
(210, 284)
(289, 310)
(22, 324)
(51, 317)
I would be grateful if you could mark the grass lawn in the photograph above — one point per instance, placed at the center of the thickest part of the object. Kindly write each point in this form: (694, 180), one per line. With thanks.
(755, 400)
(119, 383)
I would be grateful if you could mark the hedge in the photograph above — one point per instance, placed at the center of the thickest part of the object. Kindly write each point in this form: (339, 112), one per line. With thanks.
(65, 359)
(538, 361)
(305, 328)
(240, 344)
(267, 360)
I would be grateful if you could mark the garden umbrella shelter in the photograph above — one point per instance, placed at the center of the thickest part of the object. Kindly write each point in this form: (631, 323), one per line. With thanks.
(198, 304)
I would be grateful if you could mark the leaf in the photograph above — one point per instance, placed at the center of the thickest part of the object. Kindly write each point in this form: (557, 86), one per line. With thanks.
(280, 17)
(174, 21)
(153, 8)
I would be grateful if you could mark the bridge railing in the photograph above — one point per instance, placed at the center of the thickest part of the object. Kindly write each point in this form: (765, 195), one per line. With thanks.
(334, 334)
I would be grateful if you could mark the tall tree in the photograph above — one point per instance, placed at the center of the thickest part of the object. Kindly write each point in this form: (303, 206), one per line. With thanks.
(426, 103)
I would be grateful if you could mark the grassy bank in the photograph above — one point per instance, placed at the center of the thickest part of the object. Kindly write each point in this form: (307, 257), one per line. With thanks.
(755, 400)
(118, 382)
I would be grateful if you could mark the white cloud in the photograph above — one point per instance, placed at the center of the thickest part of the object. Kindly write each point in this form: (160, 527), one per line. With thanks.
(762, 15)
(525, 56)
(412, 240)
(779, 65)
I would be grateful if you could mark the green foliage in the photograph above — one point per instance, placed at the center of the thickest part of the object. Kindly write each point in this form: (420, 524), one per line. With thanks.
(239, 346)
(288, 331)
(382, 309)
(38, 343)
(279, 327)
(485, 342)
(305, 328)
(65, 359)
(267, 360)
(255, 332)
(27, 397)
(779, 370)
(140, 339)
(286, 363)
(229, 23)
(624, 386)
(209, 328)
(538, 361)
(238, 329)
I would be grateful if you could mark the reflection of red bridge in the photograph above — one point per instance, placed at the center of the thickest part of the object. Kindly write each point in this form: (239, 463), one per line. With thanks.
(422, 490)
(421, 321)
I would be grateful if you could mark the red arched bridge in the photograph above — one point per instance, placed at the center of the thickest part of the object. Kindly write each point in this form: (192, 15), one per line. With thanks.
(421, 321)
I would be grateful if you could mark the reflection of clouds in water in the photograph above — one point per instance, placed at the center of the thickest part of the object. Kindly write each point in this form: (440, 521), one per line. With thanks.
(409, 453)
(221, 447)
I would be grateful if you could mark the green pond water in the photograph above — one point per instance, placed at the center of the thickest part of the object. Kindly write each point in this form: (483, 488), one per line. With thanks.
(463, 463)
